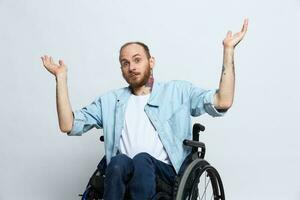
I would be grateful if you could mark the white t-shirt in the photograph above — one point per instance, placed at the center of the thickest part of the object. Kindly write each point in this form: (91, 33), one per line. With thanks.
(138, 134)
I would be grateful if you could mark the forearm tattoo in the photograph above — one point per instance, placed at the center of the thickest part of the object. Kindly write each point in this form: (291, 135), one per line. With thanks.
(224, 71)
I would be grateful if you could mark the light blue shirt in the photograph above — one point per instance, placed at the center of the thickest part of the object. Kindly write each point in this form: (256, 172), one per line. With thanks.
(169, 108)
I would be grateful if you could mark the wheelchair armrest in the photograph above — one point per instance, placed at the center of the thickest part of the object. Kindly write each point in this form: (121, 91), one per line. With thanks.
(193, 143)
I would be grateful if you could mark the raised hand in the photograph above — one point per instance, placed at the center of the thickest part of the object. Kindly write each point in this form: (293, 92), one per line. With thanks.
(53, 68)
(231, 41)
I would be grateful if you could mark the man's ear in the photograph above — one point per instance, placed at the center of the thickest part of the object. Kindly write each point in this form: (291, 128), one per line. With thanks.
(152, 62)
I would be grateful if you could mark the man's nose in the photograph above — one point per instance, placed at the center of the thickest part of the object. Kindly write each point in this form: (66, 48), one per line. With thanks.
(132, 67)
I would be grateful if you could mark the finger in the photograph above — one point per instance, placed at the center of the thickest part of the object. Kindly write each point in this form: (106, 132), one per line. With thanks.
(229, 34)
(48, 61)
(245, 26)
(43, 60)
(51, 60)
(241, 34)
(61, 62)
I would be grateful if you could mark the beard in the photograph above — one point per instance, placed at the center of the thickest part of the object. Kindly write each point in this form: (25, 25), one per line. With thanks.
(136, 80)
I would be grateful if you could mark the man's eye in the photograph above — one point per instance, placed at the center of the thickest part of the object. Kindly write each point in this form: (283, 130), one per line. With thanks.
(137, 60)
(125, 64)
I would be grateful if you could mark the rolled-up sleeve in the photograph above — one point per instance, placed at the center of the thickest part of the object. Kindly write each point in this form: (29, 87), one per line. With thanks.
(201, 101)
(87, 118)
(209, 104)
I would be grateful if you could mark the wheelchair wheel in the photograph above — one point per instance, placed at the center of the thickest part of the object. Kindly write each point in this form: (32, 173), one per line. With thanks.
(200, 181)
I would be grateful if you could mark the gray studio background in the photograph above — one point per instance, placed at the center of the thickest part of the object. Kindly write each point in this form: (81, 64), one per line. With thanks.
(255, 146)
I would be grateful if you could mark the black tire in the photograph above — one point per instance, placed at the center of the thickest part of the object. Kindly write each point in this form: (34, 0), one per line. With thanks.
(195, 172)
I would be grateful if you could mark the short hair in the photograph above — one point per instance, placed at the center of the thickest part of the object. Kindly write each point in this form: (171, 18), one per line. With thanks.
(145, 47)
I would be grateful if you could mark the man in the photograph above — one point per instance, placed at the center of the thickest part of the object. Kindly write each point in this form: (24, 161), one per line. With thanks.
(145, 123)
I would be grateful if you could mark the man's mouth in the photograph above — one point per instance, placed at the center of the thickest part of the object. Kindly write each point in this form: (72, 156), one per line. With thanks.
(134, 75)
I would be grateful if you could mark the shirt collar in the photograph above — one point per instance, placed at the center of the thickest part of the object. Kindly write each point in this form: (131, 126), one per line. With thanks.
(153, 99)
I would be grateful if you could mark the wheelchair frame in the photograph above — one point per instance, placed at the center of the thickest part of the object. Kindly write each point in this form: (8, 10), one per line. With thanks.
(186, 181)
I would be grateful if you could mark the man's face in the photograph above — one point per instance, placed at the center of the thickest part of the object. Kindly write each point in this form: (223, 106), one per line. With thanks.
(135, 66)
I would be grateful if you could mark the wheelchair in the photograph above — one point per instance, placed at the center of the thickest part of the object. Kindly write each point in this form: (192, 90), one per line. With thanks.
(196, 179)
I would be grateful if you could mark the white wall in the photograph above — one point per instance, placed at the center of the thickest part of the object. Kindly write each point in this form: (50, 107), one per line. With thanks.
(255, 146)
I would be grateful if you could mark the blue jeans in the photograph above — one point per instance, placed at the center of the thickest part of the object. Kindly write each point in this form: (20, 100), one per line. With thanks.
(136, 176)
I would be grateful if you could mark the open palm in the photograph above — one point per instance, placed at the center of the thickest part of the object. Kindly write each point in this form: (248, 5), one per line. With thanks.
(232, 40)
(52, 67)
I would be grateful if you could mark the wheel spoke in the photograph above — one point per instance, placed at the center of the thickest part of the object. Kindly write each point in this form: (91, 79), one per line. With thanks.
(206, 185)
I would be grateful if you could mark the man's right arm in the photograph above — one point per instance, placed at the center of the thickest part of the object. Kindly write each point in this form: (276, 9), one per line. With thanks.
(64, 110)
(78, 121)
(63, 105)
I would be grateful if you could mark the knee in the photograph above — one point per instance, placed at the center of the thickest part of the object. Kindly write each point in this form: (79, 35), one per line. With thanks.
(142, 158)
(119, 163)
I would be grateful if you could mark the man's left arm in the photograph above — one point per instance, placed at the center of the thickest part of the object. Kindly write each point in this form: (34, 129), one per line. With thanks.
(223, 98)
